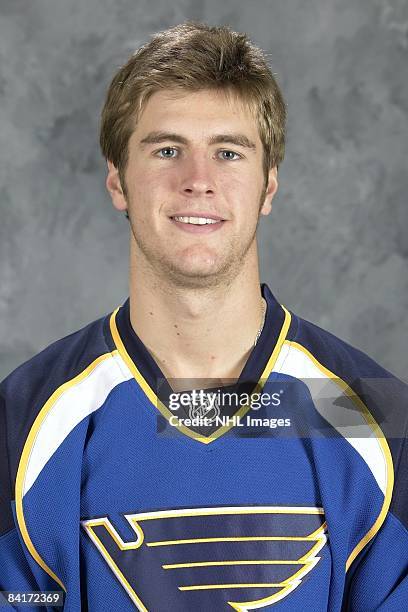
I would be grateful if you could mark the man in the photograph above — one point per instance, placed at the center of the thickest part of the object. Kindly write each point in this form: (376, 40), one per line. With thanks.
(129, 482)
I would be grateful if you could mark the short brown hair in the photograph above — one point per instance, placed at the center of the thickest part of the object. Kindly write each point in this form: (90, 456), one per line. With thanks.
(193, 56)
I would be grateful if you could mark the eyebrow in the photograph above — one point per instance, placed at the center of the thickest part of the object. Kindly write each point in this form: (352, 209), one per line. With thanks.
(236, 139)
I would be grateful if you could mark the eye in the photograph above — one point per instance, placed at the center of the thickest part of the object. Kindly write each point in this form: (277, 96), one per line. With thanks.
(230, 154)
(165, 152)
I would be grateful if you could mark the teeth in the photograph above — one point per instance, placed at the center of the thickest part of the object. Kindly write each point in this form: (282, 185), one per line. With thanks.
(195, 220)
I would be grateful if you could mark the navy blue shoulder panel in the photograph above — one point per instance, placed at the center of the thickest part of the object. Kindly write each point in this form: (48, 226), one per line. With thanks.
(6, 516)
(385, 395)
(24, 392)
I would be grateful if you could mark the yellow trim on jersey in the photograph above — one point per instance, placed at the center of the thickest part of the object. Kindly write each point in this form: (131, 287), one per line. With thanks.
(25, 456)
(115, 568)
(381, 440)
(164, 410)
(147, 516)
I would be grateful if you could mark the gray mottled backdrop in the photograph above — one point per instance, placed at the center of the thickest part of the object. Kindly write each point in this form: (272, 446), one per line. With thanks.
(335, 248)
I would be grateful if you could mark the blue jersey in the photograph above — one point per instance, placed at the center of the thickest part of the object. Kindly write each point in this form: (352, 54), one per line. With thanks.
(122, 496)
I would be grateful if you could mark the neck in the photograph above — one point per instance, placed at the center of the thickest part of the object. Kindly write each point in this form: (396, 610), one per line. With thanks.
(197, 333)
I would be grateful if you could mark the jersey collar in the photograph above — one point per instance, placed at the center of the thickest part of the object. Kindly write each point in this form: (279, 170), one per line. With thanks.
(151, 379)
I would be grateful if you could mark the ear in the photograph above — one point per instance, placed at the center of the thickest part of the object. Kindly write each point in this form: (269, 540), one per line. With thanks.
(271, 189)
(115, 188)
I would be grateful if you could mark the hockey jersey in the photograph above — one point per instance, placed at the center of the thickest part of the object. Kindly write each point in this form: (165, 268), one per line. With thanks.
(122, 494)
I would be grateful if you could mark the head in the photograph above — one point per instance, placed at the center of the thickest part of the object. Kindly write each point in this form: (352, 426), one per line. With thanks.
(200, 71)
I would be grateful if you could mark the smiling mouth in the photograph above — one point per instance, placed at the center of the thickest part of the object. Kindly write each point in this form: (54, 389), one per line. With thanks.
(197, 220)
(201, 224)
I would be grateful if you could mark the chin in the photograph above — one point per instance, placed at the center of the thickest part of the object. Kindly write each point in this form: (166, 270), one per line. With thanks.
(194, 264)
(200, 276)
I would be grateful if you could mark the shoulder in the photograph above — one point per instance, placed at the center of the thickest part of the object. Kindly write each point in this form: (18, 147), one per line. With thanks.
(385, 395)
(25, 391)
(335, 353)
(378, 392)
(59, 361)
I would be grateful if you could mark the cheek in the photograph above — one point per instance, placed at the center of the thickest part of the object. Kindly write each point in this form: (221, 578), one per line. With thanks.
(246, 190)
(147, 201)
(153, 182)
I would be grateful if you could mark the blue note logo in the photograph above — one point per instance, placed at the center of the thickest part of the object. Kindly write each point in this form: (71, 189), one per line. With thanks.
(223, 558)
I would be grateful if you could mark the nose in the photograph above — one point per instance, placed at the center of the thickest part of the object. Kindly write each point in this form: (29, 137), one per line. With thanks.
(197, 177)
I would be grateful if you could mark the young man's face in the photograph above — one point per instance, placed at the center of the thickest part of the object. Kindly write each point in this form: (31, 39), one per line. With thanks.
(194, 155)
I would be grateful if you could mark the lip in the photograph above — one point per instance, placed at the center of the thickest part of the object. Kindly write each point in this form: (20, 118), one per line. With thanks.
(205, 215)
(208, 228)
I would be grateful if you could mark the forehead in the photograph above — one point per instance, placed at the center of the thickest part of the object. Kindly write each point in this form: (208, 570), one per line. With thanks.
(204, 110)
